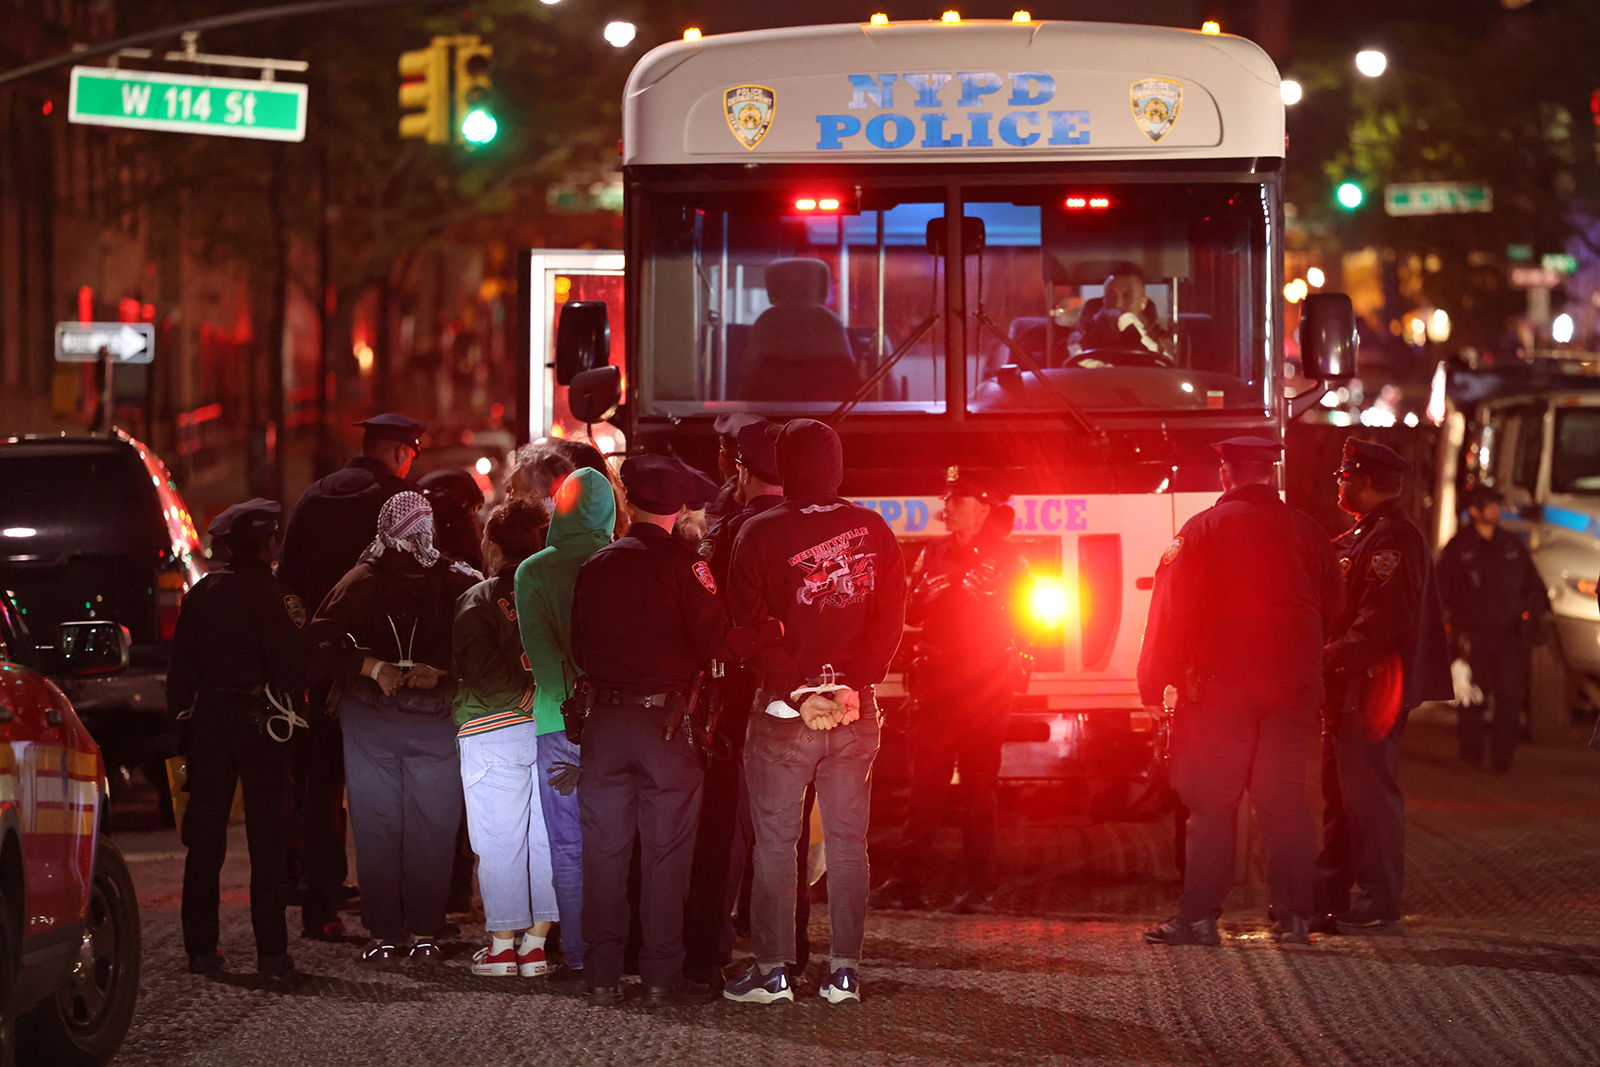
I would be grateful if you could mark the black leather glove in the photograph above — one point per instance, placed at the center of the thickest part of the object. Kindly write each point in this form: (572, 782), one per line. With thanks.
(564, 777)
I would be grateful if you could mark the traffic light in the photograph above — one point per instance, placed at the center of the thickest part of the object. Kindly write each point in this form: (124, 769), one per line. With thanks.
(1350, 195)
(425, 92)
(475, 122)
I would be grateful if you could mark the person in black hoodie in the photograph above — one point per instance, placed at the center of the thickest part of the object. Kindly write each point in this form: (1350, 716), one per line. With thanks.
(832, 574)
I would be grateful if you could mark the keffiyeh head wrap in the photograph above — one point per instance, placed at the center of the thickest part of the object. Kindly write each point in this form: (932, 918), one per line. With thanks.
(405, 524)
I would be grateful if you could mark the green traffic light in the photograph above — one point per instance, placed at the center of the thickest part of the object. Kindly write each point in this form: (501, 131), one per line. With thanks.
(1350, 196)
(479, 127)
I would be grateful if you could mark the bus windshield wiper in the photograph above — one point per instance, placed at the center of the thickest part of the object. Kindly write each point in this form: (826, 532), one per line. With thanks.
(1028, 362)
(922, 330)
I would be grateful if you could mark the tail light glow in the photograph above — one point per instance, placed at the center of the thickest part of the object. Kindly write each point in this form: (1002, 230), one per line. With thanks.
(1047, 602)
(812, 203)
(1095, 202)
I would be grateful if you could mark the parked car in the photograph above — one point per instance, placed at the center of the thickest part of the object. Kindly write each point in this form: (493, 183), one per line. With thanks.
(94, 528)
(69, 919)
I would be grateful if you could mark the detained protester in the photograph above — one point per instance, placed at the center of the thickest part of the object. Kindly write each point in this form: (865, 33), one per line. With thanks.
(646, 624)
(1244, 598)
(971, 658)
(498, 738)
(398, 604)
(831, 573)
(333, 523)
(1495, 604)
(1387, 656)
(239, 632)
(580, 525)
(455, 497)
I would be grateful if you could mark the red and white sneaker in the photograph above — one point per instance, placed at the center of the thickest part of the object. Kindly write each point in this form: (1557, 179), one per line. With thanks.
(502, 964)
(532, 964)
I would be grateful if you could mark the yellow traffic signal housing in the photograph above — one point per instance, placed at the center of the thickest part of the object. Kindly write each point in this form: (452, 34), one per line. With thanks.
(472, 85)
(425, 92)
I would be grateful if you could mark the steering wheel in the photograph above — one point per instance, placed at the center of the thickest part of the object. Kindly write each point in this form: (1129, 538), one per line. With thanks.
(1121, 357)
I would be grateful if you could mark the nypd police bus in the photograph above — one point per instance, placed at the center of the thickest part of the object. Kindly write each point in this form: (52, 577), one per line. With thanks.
(908, 230)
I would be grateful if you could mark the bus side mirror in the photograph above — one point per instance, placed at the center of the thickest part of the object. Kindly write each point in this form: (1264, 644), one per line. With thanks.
(1328, 340)
(91, 648)
(593, 395)
(583, 339)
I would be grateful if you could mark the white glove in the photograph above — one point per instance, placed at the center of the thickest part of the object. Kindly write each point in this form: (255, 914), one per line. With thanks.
(1461, 678)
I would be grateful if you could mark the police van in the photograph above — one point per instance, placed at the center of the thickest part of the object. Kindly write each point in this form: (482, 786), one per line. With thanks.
(1532, 431)
(907, 229)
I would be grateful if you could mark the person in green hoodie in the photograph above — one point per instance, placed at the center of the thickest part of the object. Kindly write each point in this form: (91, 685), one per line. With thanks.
(582, 515)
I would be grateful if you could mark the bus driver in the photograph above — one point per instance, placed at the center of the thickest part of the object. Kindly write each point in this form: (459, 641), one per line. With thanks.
(1124, 318)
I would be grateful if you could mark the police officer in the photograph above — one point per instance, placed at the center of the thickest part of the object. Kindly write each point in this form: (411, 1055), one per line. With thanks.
(1244, 598)
(646, 619)
(240, 631)
(970, 660)
(1494, 602)
(1387, 656)
(329, 528)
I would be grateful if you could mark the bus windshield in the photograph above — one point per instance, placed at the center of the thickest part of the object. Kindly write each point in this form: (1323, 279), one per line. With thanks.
(1150, 297)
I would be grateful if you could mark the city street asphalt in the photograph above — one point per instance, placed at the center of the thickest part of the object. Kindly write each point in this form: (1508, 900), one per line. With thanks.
(1500, 963)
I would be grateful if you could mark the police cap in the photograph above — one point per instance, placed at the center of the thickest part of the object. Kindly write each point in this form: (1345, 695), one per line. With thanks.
(1481, 496)
(758, 451)
(1249, 450)
(1368, 457)
(980, 485)
(661, 485)
(392, 427)
(254, 520)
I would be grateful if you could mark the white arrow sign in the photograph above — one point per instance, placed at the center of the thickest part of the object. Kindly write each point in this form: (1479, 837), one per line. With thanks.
(85, 342)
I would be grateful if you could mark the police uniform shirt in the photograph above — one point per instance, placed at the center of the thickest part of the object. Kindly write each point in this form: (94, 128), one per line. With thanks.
(1489, 585)
(1243, 600)
(334, 521)
(645, 614)
(971, 618)
(716, 547)
(1392, 604)
(241, 628)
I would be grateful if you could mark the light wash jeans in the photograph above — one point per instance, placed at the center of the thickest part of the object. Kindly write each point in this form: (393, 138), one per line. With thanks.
(501, 775)
(566, 845)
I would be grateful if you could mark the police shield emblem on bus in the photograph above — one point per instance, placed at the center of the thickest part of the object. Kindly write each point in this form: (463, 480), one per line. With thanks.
(1155, 105)
(749, 111)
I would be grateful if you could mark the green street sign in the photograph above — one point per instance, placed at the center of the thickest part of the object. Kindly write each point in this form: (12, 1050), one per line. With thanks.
(1559, 262)
(1437, 198)
(227, 107)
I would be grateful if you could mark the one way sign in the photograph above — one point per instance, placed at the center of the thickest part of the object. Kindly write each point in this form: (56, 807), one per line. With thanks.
(86, 342)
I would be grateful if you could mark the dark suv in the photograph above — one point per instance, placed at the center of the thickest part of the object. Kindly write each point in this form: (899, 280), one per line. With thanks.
(94, 528)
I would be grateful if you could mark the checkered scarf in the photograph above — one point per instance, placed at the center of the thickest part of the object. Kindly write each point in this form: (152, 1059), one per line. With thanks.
(406, 525)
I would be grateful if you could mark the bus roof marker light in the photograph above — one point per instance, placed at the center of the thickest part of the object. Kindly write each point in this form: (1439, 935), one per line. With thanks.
(1211, 26)
(691, 34)
(950, 16)
(879, 19)
(1022, 16)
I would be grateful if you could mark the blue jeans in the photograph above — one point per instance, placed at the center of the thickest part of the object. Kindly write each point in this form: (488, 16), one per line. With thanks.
(566, 845)
(500, 772)
(781, 757)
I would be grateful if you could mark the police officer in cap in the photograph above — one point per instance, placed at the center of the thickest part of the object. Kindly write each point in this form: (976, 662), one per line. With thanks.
(1244, 599)
(1387, 656)
(241, 654)
(646, 620)
(334, 522)
(971, 658)
(1495, 603)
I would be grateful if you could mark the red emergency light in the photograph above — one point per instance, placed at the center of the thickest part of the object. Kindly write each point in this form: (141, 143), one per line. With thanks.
(812, 203)
(1078, 202)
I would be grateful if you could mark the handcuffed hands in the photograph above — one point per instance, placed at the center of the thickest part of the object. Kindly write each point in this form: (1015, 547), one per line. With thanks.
(820, 712)
(564, 777)
(1467, 694)
(422, 676)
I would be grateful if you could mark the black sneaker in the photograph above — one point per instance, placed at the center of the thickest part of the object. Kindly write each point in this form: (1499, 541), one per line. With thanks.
(897, 894)
(1176, 931)
(206, 963)
(757, 988)
(277, 966)
(676, 995)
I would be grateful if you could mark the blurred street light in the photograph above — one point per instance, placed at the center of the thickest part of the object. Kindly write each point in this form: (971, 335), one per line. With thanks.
(551, 3)
(1439, 326)
(620, 34)
(1371, 62)
(1315, 277)
(1291, 91)
(1561, 329)
(1295, 291)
